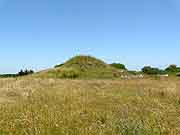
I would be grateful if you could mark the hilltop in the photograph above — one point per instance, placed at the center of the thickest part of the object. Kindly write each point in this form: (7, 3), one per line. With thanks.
(84, 67)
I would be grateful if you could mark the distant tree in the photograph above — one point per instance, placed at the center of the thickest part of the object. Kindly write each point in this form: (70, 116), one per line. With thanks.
(146, 69)
(161, 72)
(25, 72)
(21, 73)
(152, 71)
(119, 66)
(178, 69)
(31, 71)
(172, 69)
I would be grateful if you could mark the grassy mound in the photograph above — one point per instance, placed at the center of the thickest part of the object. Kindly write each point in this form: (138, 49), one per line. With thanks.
(84, 67)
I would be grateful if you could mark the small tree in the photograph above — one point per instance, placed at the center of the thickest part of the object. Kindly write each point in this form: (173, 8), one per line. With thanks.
(21, 73)
(26, 72)
(31, 71)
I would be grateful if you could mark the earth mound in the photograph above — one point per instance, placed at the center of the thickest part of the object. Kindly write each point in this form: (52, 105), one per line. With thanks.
(84, 67)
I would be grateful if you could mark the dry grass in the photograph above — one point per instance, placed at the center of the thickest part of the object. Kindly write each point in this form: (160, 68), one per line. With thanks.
(35, 106)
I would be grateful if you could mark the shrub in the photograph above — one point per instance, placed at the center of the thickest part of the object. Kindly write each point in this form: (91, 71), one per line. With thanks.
(118, 66)
(171, 68)
(69, 73)
(152, 71)
(59, 65)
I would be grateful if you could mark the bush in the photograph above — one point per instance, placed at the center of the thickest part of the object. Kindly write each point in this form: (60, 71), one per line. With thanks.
(172, 69)
(118, 66)
(152, 71)
(59, 65)
(69, 73)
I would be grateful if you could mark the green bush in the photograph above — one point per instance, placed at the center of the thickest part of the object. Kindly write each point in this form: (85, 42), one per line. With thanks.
(152, 71)
(69, 73)
(118, 66)
(171, 68)
(59, 65)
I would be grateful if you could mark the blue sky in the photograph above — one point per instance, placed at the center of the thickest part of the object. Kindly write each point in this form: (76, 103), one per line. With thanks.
(41, 33)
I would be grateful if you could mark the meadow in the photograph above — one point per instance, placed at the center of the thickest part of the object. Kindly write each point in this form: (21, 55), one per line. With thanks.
(51, 106)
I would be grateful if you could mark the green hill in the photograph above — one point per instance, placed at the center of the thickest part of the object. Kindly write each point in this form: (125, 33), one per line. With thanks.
(84, 67)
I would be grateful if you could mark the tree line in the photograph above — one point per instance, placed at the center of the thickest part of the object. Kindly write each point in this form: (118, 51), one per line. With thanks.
(171, 69)
(19, 74)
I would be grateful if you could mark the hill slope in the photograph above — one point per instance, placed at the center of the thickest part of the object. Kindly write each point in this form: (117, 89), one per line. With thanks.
(84, 67)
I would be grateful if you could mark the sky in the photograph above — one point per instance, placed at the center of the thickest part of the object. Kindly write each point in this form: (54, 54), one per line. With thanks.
(39, 34)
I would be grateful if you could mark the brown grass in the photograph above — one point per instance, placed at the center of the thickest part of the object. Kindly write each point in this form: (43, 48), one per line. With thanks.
(35, 106)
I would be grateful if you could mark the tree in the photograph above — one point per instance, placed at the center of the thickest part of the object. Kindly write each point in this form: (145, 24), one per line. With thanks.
(172, 68)
(31, 71)
(25, 72)
(119, 66)
(21, 73)
(152, 71)
(146, 69)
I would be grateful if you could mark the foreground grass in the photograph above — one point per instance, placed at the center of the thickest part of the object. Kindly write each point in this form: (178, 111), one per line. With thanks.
(32, 106)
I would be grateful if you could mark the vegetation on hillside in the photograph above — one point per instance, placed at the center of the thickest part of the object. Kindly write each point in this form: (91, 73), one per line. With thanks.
(87, 66)
(84, 67)
(59, 65)
(119, 66)
(91, 67)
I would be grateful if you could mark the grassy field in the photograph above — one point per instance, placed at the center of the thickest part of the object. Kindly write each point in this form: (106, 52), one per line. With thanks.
(35, 106)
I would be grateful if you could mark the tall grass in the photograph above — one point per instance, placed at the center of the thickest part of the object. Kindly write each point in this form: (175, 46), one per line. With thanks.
(31, 106)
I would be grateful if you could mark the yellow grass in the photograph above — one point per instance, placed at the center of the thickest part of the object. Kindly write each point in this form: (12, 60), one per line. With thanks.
(35, 106)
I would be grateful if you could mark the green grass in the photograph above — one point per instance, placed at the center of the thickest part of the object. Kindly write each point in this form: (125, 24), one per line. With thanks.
(35, 106)
(85, 67)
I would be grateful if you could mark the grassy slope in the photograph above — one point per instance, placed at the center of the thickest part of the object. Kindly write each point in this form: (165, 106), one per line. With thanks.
(89, 107)
(83, 67)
